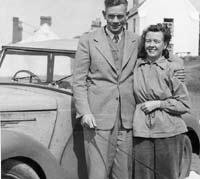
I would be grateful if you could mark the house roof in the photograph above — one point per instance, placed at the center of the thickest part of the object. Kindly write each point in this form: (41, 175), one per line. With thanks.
(43, 33)
(57, 45)
(193, 10)
(134, 10)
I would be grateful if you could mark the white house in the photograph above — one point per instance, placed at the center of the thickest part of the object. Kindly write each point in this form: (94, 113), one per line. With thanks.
(180, 15)
(43, 33)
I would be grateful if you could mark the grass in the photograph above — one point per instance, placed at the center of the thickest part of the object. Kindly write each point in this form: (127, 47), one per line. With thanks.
(192, 68)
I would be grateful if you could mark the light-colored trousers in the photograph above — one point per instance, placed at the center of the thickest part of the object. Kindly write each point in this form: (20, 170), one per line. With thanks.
(109, 152)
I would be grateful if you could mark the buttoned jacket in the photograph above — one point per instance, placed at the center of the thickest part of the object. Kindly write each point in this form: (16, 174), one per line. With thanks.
(156, 81)
(98, 88)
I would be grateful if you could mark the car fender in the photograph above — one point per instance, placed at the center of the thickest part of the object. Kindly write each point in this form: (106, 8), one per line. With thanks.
(193, 125)
(14, 144)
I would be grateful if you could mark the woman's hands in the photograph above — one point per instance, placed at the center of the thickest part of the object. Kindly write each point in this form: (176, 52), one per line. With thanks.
(149, 106)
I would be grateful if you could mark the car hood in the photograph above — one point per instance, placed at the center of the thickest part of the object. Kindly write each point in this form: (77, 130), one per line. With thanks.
(22, 99)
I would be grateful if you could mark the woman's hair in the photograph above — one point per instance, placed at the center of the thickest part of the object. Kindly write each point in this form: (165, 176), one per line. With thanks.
(156, 28)
(110, 3)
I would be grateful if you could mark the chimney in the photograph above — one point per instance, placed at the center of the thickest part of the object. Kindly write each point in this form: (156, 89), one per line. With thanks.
(45, 20)
(17, 30)
(135, 3)
(96, 24)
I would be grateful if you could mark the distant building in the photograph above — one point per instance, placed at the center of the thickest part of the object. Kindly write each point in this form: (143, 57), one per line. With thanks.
(180, 15)
(95, 24)
(43, 33)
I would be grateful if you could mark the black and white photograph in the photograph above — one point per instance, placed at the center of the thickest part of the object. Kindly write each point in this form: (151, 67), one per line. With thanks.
(100, 89)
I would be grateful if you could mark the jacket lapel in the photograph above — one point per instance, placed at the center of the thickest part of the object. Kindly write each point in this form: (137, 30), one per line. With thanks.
(103, 47)
(129, 46)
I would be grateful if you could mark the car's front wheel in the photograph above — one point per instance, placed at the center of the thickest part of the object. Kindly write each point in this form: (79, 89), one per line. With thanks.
(13, 169)
(186, 158)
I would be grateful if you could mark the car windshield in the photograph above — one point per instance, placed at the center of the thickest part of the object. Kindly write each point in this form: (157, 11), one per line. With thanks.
(38, 62)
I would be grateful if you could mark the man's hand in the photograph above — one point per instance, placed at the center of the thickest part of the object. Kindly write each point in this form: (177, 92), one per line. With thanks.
(88, 121)
(180, 74)
(149, 106)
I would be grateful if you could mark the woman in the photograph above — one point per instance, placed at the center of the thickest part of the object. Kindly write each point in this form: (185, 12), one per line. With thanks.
(161, 99)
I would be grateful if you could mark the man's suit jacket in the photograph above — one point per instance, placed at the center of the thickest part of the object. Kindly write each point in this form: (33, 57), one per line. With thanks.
(97, 87)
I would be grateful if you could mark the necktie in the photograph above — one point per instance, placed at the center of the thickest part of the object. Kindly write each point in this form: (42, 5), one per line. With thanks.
(115, 38)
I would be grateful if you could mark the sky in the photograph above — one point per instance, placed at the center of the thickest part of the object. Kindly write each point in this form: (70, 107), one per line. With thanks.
(196, 3)
(70, 18)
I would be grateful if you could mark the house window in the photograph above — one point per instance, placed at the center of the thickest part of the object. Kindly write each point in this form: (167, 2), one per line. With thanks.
(170, 48)
(135, 3)
(126, 26)
(170, 24)
(134, 25)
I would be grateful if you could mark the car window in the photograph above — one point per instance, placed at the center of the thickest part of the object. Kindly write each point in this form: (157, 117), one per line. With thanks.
(62, 67)
(36, 64)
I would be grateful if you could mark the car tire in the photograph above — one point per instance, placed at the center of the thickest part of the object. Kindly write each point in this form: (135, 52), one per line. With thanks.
(186, 158)
(14, 169)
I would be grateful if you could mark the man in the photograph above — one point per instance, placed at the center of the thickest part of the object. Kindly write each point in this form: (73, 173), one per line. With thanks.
(177, 64)
(102, 87)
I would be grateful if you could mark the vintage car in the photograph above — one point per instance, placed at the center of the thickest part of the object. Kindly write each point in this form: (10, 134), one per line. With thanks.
(40, 137)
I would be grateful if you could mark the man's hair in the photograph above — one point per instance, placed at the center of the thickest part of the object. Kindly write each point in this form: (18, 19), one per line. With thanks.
(110, 3)
(156, 28)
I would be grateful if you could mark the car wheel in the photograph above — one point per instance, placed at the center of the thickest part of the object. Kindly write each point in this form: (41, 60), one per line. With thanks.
(186, 158)
(13, 169)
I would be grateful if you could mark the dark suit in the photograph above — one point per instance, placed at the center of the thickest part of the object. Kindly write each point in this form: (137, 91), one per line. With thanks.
(98, 87)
